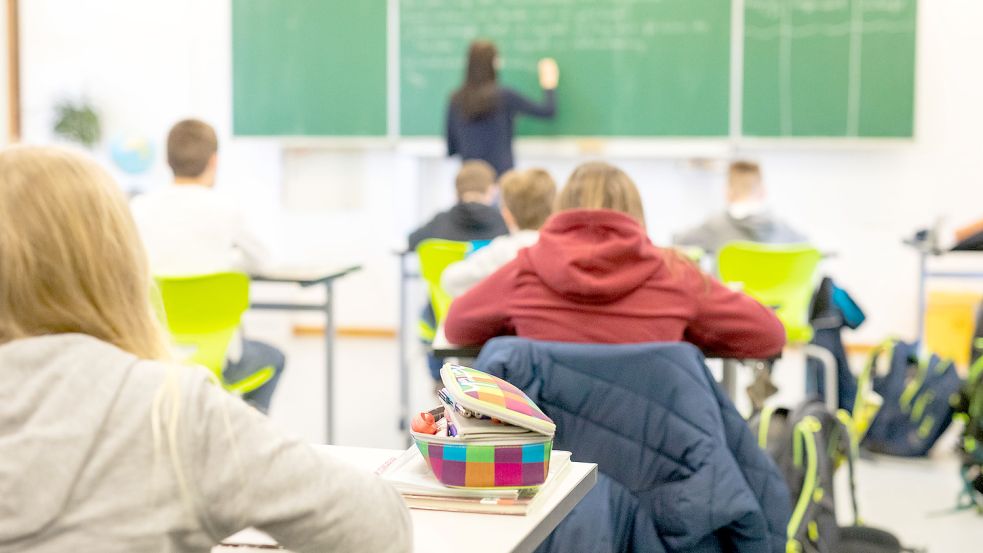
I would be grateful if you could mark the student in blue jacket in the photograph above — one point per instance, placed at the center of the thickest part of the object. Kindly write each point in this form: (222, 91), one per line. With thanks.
(481, 115)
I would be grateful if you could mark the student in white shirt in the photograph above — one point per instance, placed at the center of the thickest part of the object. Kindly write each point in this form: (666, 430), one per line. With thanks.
(527, 201)
(190, 229)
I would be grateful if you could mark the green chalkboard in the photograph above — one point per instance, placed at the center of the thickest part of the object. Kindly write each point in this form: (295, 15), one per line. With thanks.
(829, 68)
(309, 67)
(628, 68)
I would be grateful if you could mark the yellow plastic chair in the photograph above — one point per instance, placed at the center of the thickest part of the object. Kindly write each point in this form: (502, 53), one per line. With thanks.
(202, 314)
(781, 277)
(435, 255)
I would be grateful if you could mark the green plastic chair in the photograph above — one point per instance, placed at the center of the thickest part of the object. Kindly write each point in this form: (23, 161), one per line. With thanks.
(202, 314)
(435, 255)
(781, 277)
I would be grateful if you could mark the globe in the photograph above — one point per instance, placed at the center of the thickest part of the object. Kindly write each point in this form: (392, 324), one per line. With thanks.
(132, 154)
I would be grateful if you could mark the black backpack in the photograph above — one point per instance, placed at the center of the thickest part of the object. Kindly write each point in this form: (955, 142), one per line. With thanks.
(808, 444)
(916, 400)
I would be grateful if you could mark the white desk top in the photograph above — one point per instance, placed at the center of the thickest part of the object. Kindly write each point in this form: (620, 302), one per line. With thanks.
(445, 531)
(305, 273)
(443, 349)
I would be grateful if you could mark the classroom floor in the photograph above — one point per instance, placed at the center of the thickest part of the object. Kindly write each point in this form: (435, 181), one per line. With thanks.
(914, 499)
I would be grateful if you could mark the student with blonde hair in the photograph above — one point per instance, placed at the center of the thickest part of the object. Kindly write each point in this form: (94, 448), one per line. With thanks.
(595, 277)
(527, 201)
(747, 217)
(108, 446)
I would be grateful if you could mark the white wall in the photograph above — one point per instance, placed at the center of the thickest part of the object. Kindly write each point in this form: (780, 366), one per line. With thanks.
(144, 66)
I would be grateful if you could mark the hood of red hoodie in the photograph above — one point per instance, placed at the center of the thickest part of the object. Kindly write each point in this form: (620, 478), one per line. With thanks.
(593, 255)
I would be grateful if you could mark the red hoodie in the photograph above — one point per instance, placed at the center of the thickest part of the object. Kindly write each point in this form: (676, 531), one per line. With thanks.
(595, 277)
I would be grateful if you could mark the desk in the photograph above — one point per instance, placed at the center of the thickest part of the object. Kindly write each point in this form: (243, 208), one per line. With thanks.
(307, 278)
(444, 531)
(924, 252)
(442, 348)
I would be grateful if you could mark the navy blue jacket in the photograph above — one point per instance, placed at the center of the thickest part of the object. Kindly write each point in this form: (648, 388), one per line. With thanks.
(464, 222)
(683, 472)
(490, 137)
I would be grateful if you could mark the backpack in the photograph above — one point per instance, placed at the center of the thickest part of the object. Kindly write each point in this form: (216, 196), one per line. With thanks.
(915, 400)
(968, 405)
(808, 444)
(832, 310)
(805, 444)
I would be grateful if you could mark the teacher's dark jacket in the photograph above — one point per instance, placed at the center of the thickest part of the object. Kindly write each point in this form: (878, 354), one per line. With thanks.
(489, 138)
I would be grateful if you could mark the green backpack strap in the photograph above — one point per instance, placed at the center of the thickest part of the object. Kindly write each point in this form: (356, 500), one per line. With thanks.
(804, 442)
(764, 423)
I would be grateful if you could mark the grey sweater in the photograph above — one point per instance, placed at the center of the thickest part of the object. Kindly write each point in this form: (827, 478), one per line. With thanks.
(724, 227)
(79, 470)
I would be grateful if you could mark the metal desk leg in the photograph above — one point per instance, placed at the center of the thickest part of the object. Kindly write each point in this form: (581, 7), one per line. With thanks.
(922, 276)
(404, 372)
(329, 361)
(728, 378)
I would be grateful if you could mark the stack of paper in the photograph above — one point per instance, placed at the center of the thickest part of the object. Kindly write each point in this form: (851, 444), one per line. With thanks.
(489, 430)
(412, 477)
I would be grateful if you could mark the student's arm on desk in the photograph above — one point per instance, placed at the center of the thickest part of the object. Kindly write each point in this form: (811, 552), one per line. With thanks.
(731, 324)
(244, 473)
(482, 312)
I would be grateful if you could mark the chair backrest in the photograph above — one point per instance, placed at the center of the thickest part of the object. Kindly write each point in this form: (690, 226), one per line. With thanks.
(782, 277)
(435, 255)
(203, 312)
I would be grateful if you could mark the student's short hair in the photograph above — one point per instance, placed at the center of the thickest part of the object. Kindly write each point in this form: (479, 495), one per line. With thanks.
(744, 177)
(475, 176)
(190, 145)
(529, 197)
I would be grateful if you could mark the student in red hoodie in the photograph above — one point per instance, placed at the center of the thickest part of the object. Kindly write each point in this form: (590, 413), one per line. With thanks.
(595, 277)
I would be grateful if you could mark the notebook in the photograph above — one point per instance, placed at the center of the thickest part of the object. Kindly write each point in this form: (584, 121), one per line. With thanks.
(410, 476)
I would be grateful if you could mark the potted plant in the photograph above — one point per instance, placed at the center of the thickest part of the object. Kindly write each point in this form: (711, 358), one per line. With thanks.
(78, 122)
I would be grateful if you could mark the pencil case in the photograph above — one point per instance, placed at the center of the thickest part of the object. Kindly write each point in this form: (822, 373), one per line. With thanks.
(518, 461)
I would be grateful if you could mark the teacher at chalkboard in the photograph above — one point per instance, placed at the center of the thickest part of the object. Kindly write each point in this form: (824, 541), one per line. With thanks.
(481, 116)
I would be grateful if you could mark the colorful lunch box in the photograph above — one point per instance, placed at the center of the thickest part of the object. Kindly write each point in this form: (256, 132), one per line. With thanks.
(518, 461)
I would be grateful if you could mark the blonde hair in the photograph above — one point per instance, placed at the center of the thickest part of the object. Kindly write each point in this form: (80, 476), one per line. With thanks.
(743, 180)
(529, 197)
(598, 185)
(475, 176)
(70, 257)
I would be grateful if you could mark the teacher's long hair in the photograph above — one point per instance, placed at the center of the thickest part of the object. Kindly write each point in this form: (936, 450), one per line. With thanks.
(478, 96)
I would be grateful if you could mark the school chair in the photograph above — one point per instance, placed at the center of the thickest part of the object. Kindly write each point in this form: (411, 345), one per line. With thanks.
(435, 256)
(784, 278)
(781, 277)
(202, 314)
